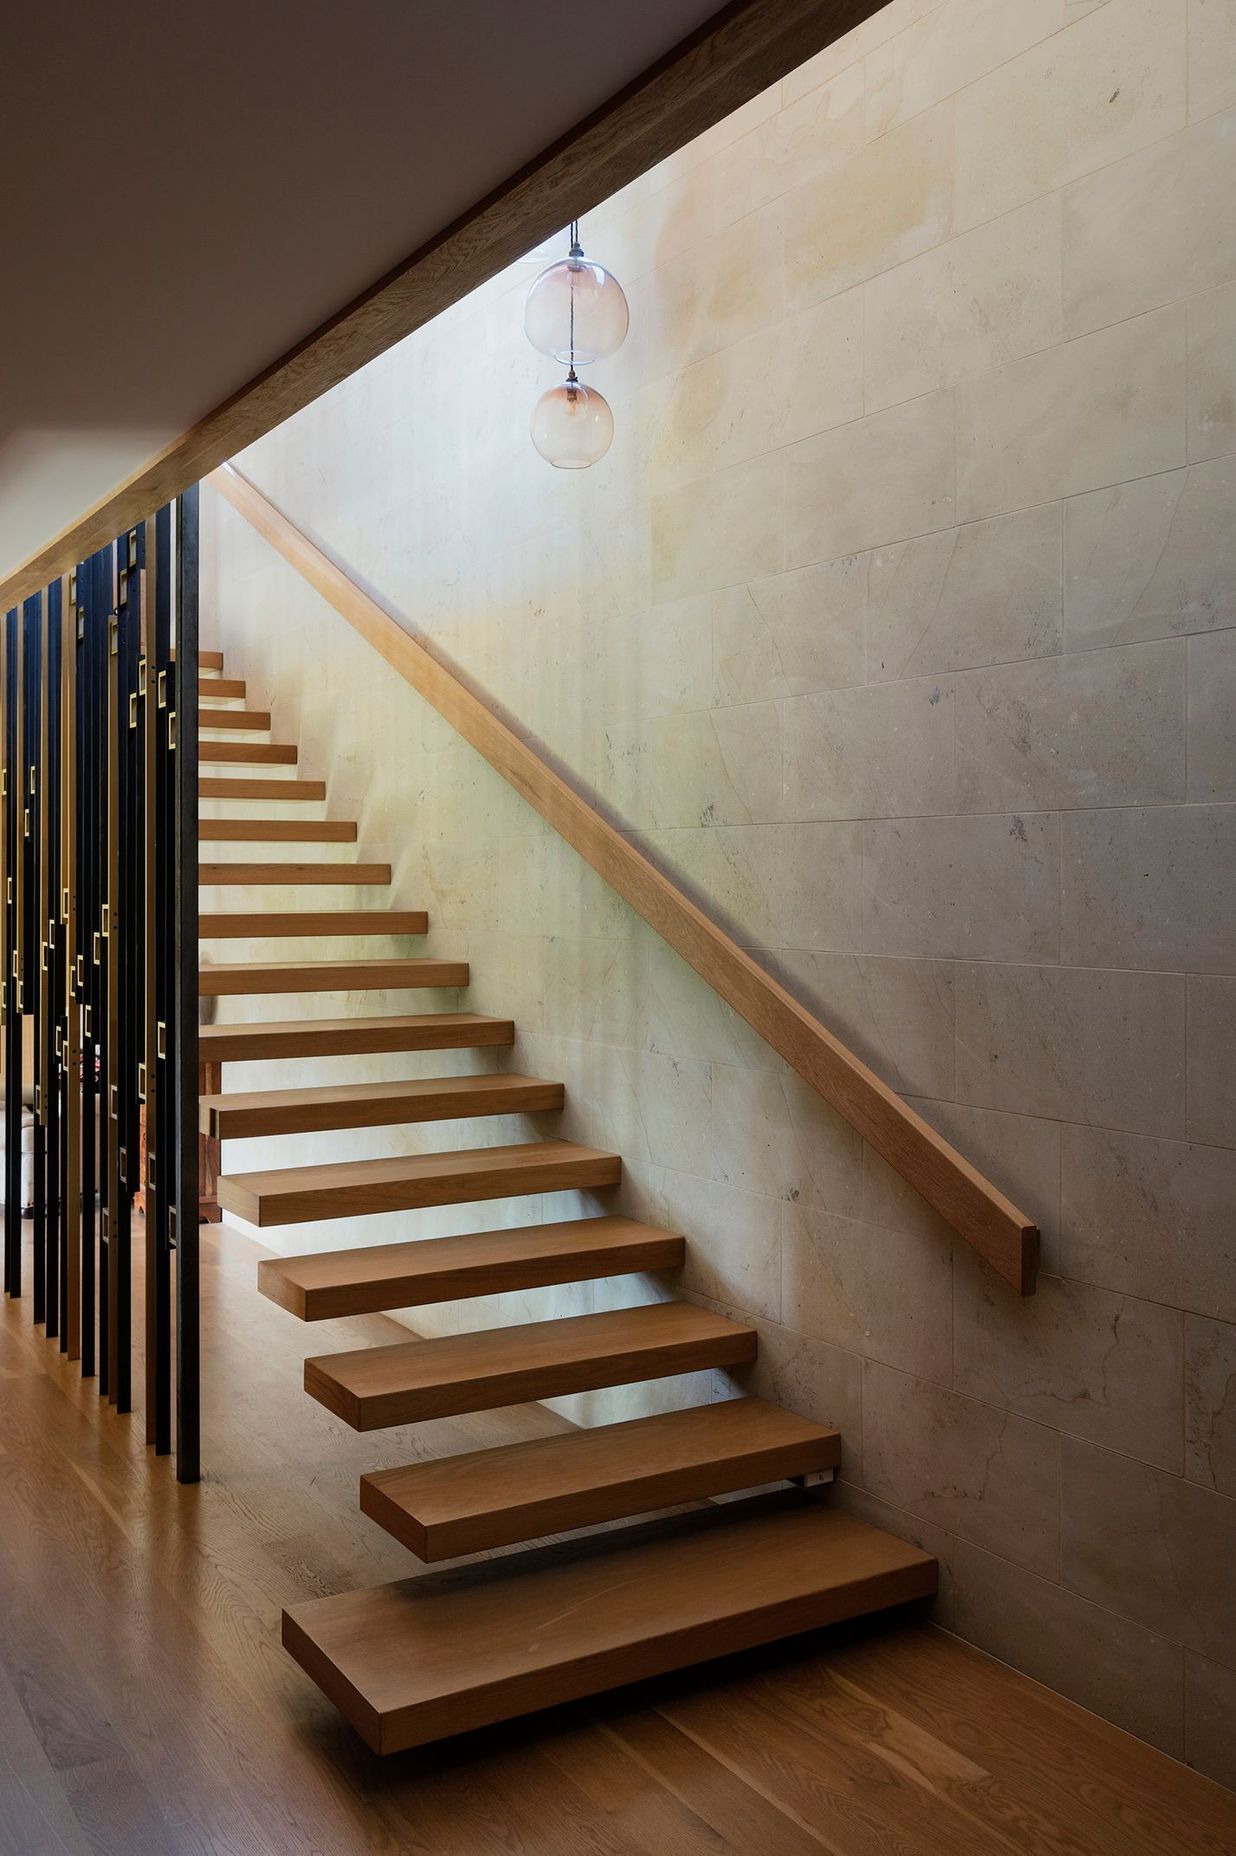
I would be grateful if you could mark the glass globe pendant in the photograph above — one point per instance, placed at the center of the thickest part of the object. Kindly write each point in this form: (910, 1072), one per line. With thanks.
(576, 310)
(572, 425)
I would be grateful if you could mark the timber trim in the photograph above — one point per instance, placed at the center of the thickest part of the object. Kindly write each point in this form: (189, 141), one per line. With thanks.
(740, 51)
(976, 1209)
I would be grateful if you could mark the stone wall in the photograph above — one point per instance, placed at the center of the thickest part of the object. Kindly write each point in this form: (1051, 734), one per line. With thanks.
(898, 623)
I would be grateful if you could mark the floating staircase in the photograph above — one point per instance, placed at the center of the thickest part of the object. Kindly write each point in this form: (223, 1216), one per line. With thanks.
(441, 1652)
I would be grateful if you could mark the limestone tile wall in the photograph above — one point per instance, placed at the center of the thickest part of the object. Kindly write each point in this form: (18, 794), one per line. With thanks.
(900, 623)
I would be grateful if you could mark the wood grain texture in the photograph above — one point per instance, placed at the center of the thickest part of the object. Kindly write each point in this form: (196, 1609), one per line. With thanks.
(355, 1188)
(958, 1191)
(312, 923)
(372, 1387)
(219, 689)
(744, 48)
(257, 753)
(374, 1277)
(277, 830)
(492, 1498)
(351, 1037)
(206, 660)
(234, 978)
(238, 1116)
(256, 719)
(423, 1658)
(905, 1739)
(212, 788)
(217, 876)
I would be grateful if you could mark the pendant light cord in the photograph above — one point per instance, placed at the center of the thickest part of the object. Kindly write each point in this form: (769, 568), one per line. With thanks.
(577, 251)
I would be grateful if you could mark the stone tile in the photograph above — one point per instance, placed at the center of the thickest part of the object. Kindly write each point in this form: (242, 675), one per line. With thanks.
(714, 767)
(816, 133)
(656, 661)
(1150, 888)
(733, 285)
(774, 1135)
(980, 300)
(792, 633)
(1127, 1674)
(878, 480)
(822, 1383)
(1149, 1218)
(953, 46)
(1114, 81)
(1151, 559)
(734, 872)
(1080, 1359)
(733, 1242)
(1212, 1061)
(1210, 1719)
(1150, 229)
(978, 888)
(892, 199)
(854, 45)
(650, 1109)
(1091, 728)
(985, 1474)
(1019, 1153)
(882, 751)
(980, 594)
(1094, 411)
(1150, 1547)
(884, 1294)
(720, 530)
(1212, 373)
(821, 886)
(679, 1015)
(1074, 1045)
(1212, 703)
(897, 1015)
(1210, 1403)
(1212, 60)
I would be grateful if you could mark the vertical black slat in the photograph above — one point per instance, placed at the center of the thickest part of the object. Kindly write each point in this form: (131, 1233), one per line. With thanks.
(31, 965)
(160, 1156)
(49, 942)
(126, 928)
(8, 982)
(70, 1006)
(87, 791)
(183, 1029)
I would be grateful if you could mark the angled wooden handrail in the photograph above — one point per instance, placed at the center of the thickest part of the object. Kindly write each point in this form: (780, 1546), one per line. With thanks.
(970, 1204)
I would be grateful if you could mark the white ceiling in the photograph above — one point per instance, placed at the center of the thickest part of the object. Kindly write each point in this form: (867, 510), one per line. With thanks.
(186, 191)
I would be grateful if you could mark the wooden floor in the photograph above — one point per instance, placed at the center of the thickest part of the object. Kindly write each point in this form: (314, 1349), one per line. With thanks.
(147, 1709)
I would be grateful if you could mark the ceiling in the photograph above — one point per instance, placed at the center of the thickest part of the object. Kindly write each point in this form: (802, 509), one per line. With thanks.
(185, 192)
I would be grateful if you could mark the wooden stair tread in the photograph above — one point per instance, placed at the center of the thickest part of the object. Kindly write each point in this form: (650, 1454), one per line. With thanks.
(491, 1498)
(351, 1037)
(349, 1188)
(209, 787)
(232, 978)
(217, 876)
(372, 1387)
(210, 688)
(257, 719)
(425, 1657)
(373, 1105)
(311, 922)
(442, 1269)
(273, 753)
(277, 830)
(206, 660)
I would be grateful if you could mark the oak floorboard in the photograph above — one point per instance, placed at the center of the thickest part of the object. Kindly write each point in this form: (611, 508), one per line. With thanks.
(139, 1636)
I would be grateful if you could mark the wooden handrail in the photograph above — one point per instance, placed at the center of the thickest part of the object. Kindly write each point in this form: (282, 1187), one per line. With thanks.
(970, 1204)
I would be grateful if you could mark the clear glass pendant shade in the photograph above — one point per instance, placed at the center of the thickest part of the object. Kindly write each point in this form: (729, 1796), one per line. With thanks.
(576, 312)
(572, 425)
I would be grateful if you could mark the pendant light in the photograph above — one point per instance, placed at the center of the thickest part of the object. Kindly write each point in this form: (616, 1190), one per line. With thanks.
(576, 312)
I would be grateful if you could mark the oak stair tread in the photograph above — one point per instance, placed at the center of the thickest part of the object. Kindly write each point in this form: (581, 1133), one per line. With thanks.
(492, 1498)
(239, 1116)
(269, 753)
(257, 719)
(440, 1653)
(408, 1182)
(219, 876)
(206, 660)
(329, 1284)
(277, 830)
(311, 922)
(234, 978)
(351, 1037)
(411, 1381)
(211, 787)
(221, 687)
